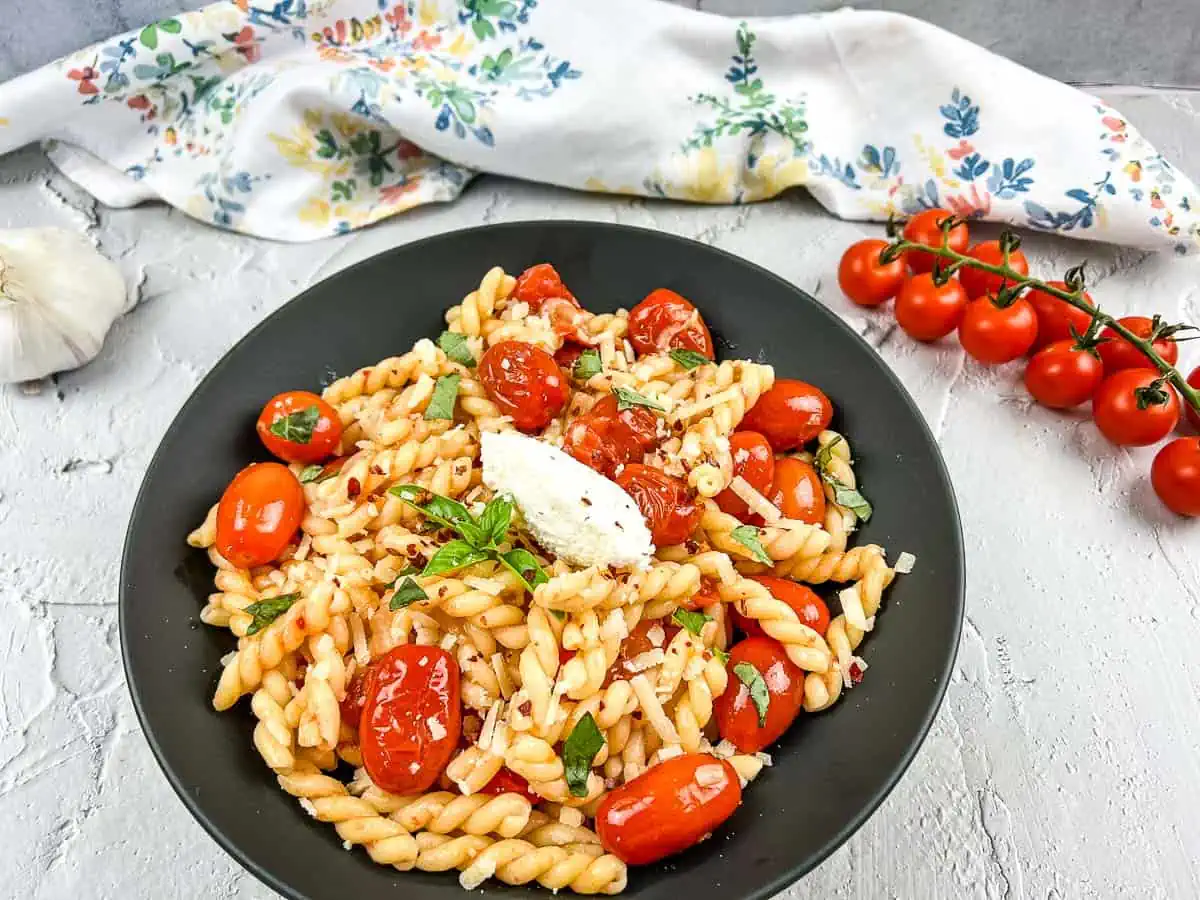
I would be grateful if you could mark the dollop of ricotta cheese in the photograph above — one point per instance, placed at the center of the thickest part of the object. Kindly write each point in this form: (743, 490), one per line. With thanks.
(571, 510)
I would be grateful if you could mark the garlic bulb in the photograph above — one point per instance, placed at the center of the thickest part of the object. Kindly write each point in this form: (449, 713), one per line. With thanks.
(58, 298)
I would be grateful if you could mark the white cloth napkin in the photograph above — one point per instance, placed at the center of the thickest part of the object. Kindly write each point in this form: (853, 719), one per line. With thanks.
(298, 119)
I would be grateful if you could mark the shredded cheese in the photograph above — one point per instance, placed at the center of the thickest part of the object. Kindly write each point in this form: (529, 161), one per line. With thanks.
(502, 676)
(477, 873)
(488, 732)
(724, 750)
(307, 806)
(644, 661)
(691, 410)
(709, 775)
(656, 634)
(493, 586)
(852, 608)
(653, 709)
(756, 501)
(449, 639)
(358, 635)
(905, 562)
(614, 628)
(437, 730)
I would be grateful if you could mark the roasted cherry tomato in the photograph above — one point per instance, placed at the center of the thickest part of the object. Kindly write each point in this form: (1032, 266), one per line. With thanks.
(926, 228)
(927, 310)
(412, 718)
(666, 321)
(706, 596)
(753, 461)
(992, 334)
(637, 643)
(978, 283)
(606, 437)
(306, 428)
(737, 716)
(506, 781)
(356, 698)
(1063, 375)
(1056, 318)
(1118, 353)
(541, 287)
(865, 278)
(1130, 412)
(567, 355)
(668, 808)
(1175, 475)
(810, 609)
(525, 382)
(797, 492)
(667, 502)
(1194, 381)
(791, 413)
(258, 514)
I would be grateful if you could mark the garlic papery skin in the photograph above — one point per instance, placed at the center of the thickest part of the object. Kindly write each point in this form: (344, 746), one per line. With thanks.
(58, 298)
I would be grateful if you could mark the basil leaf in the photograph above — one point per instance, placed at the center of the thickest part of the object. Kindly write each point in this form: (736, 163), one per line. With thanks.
(311, 473)
(627, 399)
(267, 611)
(443, 510)
(587, 365)
(525, 566)
(825, 454)
(689, 359)
(452, 556)
(721, 655)
(844, 495)
(692, 621)
(456, 347)
(408, 593)
(747, 536)
(494, 521)
(445, 394)
(759, 695)
(558, 614)
(579, 750)
(407, 570)
(297, 427)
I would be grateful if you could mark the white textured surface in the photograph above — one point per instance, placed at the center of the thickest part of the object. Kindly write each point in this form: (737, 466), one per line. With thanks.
(1065, 761)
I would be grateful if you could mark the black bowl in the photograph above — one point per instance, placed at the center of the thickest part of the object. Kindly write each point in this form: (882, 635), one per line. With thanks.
(830, 771)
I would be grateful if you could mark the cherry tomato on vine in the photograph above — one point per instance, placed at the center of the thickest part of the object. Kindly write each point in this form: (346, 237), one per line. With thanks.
(978, 283)
(926, 228)
(927, 310)
(1175, 475)
(1194, 381)
(298, 426)
(994, 335)
(411, 719)
(667, 502)
(737, 716)
(791, 413)
(796, 491)
(258, 514)
(1118, 353)
(810, 609)
(1130, 412)
(1055, 317)
(753, 461)
(864, 278)
(606, 437)
(668, 808)
(1063, 375)
(525, 382)
(666, 321)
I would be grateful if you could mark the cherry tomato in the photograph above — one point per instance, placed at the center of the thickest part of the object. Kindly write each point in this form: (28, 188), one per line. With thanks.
(666, 321)
(796, 491)
(258, 514)
(926, 228)
(1062, 375)
(810, 609)
(1194, 381)
(706, 596)
(864, 278)
(567, 355)
(356, 698)
(736, 715)
(638, 643)
(1175, 475)
(671, 511)
(308, 439)
(411, 719)
(506, 781)
(1056, 318)
(928, 311)
(994, 335)
(753, 461)
(539, 283)
(1118, 353)
(791, 413)
(1126, 418)
(606, 437)
(668, 808)
(525, 382)
(978, 283)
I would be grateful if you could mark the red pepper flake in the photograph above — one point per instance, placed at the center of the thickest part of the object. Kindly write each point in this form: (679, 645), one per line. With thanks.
(353, 488)
(375, 470)
(856, 673)
(585, 501)
(692, 547)
(526, 708)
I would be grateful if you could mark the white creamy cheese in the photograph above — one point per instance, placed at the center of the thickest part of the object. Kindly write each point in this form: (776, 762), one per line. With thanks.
(573, 511)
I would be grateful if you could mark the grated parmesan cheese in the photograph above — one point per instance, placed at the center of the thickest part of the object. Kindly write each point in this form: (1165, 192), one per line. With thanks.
(724, 750)
(307, 806)
(492, 586)
(692, 410)
(437, 730)
(656, 634)
(852, 608)
(668, 751)
(449, 639)
(904, 563)
(710, 775)
(614, 628)
(488, 733)
(756, 501)
(644, 661)
(477, 873)
(764, 758)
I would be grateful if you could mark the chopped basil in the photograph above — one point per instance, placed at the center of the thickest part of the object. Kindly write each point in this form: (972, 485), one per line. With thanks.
(579, 750)
(558, 614)
(456, 347)
(452, 556)
(443, 510)
(407, 570)
(494, 520)
(587, 365)
(759, 695)
(747, 536)
(311, 473)
(689, 359)
(267, 611)
(627, 399)
(721, 655)
(846, 496)
(297, 427)
(445, 394)
(825, 454)
(692, 621)
(407, 593)
(525, 565)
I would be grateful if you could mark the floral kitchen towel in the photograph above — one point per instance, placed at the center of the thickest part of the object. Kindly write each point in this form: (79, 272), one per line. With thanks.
(297, 119)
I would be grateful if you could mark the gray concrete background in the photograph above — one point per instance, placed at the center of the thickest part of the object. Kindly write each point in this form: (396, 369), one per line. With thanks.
(1088, 41)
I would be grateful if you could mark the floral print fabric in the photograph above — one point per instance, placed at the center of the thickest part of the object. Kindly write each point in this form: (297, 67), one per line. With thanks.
(297, 119)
